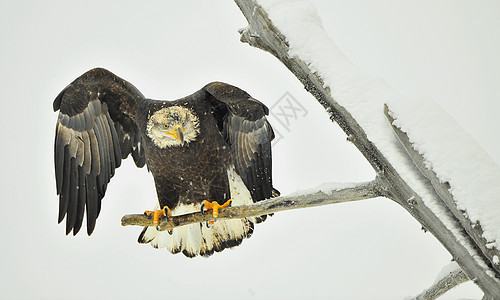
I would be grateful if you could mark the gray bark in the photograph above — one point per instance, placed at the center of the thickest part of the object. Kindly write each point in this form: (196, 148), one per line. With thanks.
(474, 230)
(262, 33)
(443, 285)
(317, 197)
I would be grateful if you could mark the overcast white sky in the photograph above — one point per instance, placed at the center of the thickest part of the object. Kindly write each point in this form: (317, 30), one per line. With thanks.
(373, 249)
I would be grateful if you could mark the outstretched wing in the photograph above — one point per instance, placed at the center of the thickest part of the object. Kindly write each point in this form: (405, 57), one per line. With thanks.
(95, 130)
(242, 120)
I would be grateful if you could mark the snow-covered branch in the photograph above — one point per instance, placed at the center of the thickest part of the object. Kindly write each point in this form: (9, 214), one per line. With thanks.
(355, 101)
(444, 183)
(322, 195)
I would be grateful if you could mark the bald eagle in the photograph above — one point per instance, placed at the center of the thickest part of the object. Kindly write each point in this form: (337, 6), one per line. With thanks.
(206, 150)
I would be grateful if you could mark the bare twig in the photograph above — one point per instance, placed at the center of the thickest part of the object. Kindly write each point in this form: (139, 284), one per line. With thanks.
(317, 197)
(443, 285)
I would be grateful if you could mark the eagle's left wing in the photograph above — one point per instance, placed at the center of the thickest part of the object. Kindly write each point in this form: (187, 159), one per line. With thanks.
(95, 130)
(242, 120)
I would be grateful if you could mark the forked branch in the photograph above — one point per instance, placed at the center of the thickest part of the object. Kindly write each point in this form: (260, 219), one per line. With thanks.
(322, 195)
(431, 212)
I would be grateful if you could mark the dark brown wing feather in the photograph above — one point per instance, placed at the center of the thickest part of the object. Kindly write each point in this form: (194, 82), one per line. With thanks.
(95, 130)
(242, 120)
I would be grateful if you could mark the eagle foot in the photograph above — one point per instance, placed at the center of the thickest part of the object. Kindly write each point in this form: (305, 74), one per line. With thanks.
(214, 206)
(156, 214)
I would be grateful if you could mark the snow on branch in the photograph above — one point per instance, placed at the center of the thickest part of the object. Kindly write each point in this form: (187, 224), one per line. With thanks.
(471, 198)
(355, 101)
(322, 195)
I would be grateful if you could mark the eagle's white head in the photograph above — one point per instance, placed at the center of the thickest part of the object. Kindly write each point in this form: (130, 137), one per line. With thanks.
(173, 127)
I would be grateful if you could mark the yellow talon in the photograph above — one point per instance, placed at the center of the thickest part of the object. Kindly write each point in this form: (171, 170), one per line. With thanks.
(214, 206)
(156, 214)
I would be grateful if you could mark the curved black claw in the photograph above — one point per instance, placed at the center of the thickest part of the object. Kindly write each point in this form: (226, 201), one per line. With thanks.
(170, 232)
(202, 209)
(208, 224)
(158, 227)
(166, 211)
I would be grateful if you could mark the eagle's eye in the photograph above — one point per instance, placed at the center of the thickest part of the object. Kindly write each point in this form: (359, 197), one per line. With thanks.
(165, 126)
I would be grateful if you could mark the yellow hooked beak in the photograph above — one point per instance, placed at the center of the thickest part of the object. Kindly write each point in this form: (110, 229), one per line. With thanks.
(177, 133)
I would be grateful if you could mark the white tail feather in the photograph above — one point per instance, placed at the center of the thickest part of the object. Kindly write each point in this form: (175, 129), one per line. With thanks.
(194, 239)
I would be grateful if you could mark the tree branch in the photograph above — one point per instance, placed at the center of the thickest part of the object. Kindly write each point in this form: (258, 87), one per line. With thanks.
(443, 285)
(322, 195)
(443, 190)
(263, 34)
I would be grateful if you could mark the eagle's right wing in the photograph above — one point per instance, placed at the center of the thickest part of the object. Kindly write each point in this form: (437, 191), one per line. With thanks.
(95, 130)
(243, 123)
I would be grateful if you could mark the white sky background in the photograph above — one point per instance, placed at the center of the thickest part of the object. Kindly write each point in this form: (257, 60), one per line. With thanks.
(373, 249)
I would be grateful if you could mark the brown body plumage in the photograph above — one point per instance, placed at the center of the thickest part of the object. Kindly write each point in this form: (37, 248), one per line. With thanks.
(196, 171)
